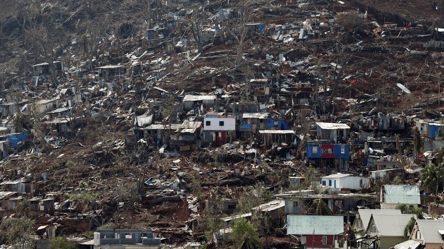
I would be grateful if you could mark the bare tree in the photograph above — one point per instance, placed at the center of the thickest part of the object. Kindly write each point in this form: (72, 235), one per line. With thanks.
(195, 26)
(91, 39)
(342, 62)
(239, 29)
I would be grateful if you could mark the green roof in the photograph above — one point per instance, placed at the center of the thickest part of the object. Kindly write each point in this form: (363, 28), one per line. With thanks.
(402, 194)
(315, 224)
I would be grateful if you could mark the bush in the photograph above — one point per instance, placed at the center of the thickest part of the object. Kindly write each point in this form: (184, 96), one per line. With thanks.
(350, 21)
(61, 243)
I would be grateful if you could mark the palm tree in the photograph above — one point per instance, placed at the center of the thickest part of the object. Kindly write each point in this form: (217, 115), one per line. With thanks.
(431, 177)
(321, 208)
(245, 234)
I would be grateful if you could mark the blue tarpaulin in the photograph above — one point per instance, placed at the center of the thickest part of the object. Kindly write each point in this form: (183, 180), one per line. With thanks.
(16, 139)
(270, 123)
(260, 27)
(246, 126)
(279, 123)
(434, 131)
(286, 127)
(314, 151)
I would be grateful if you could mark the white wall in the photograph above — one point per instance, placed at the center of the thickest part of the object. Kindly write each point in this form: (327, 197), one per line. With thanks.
(229, 124)
(351, 182)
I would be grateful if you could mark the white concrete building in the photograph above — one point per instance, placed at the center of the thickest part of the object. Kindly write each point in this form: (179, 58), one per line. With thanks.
(218, 127)
(345, 181)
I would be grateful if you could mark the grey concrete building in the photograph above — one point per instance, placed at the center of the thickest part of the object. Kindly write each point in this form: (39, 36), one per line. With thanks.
(125, 238)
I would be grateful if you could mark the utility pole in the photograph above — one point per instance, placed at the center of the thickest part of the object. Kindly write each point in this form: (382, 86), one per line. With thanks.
(442, 14)
(439, 89)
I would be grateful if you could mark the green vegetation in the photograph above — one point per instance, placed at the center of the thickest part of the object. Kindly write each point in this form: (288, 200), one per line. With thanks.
(61, 243)
(19, 231)
(409, 227)
(321, 208)
(432, 179)
(245, 235)
(397, 181)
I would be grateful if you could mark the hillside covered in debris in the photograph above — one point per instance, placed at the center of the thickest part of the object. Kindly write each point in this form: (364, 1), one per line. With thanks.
(209, 123)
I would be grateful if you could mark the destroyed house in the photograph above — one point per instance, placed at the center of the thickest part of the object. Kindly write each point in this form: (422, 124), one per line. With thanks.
(251, 122)
(224, 205)
(430, 130)
(295, 203)
(13, 140)
(278, 137)
(261, 86)
(111, 70)
(194, 102)
(159, 133)
(388, 145)
(274, 209)
(46, 105)
(336, 132)
(218, 127)
(111, 238)
(334, 155)
(45, 68)
(10, 108)
(21, 186)
(4, 200)
(187, 134)
(41, 205)
(60, 112)
(382, 122)
(386, 174)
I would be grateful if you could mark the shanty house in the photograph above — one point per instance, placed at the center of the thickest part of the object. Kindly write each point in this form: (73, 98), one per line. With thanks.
(429, 129)
(111, 70)
(45, 68)
(429, 233)
(191, 102)
(363, 217)
(251, 122)
(187, 134)
(218, 127)
(389, 229)
(316, 231)
(46, 105)
(271, 137)
(394, 195)
(333, 131)
(159, 133)
(273, 209)
(333, 155)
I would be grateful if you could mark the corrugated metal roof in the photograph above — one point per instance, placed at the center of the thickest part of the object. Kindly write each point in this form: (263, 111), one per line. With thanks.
(390, 225)
(409, 244)
(276, 132)
(315, 224)
(162, 127)
(234, 217)
(335, 176)
(270, 206)
(429, 230)
(332, 126)
(198, 97)
(259, 115)
(402, 194)
(366, 214)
